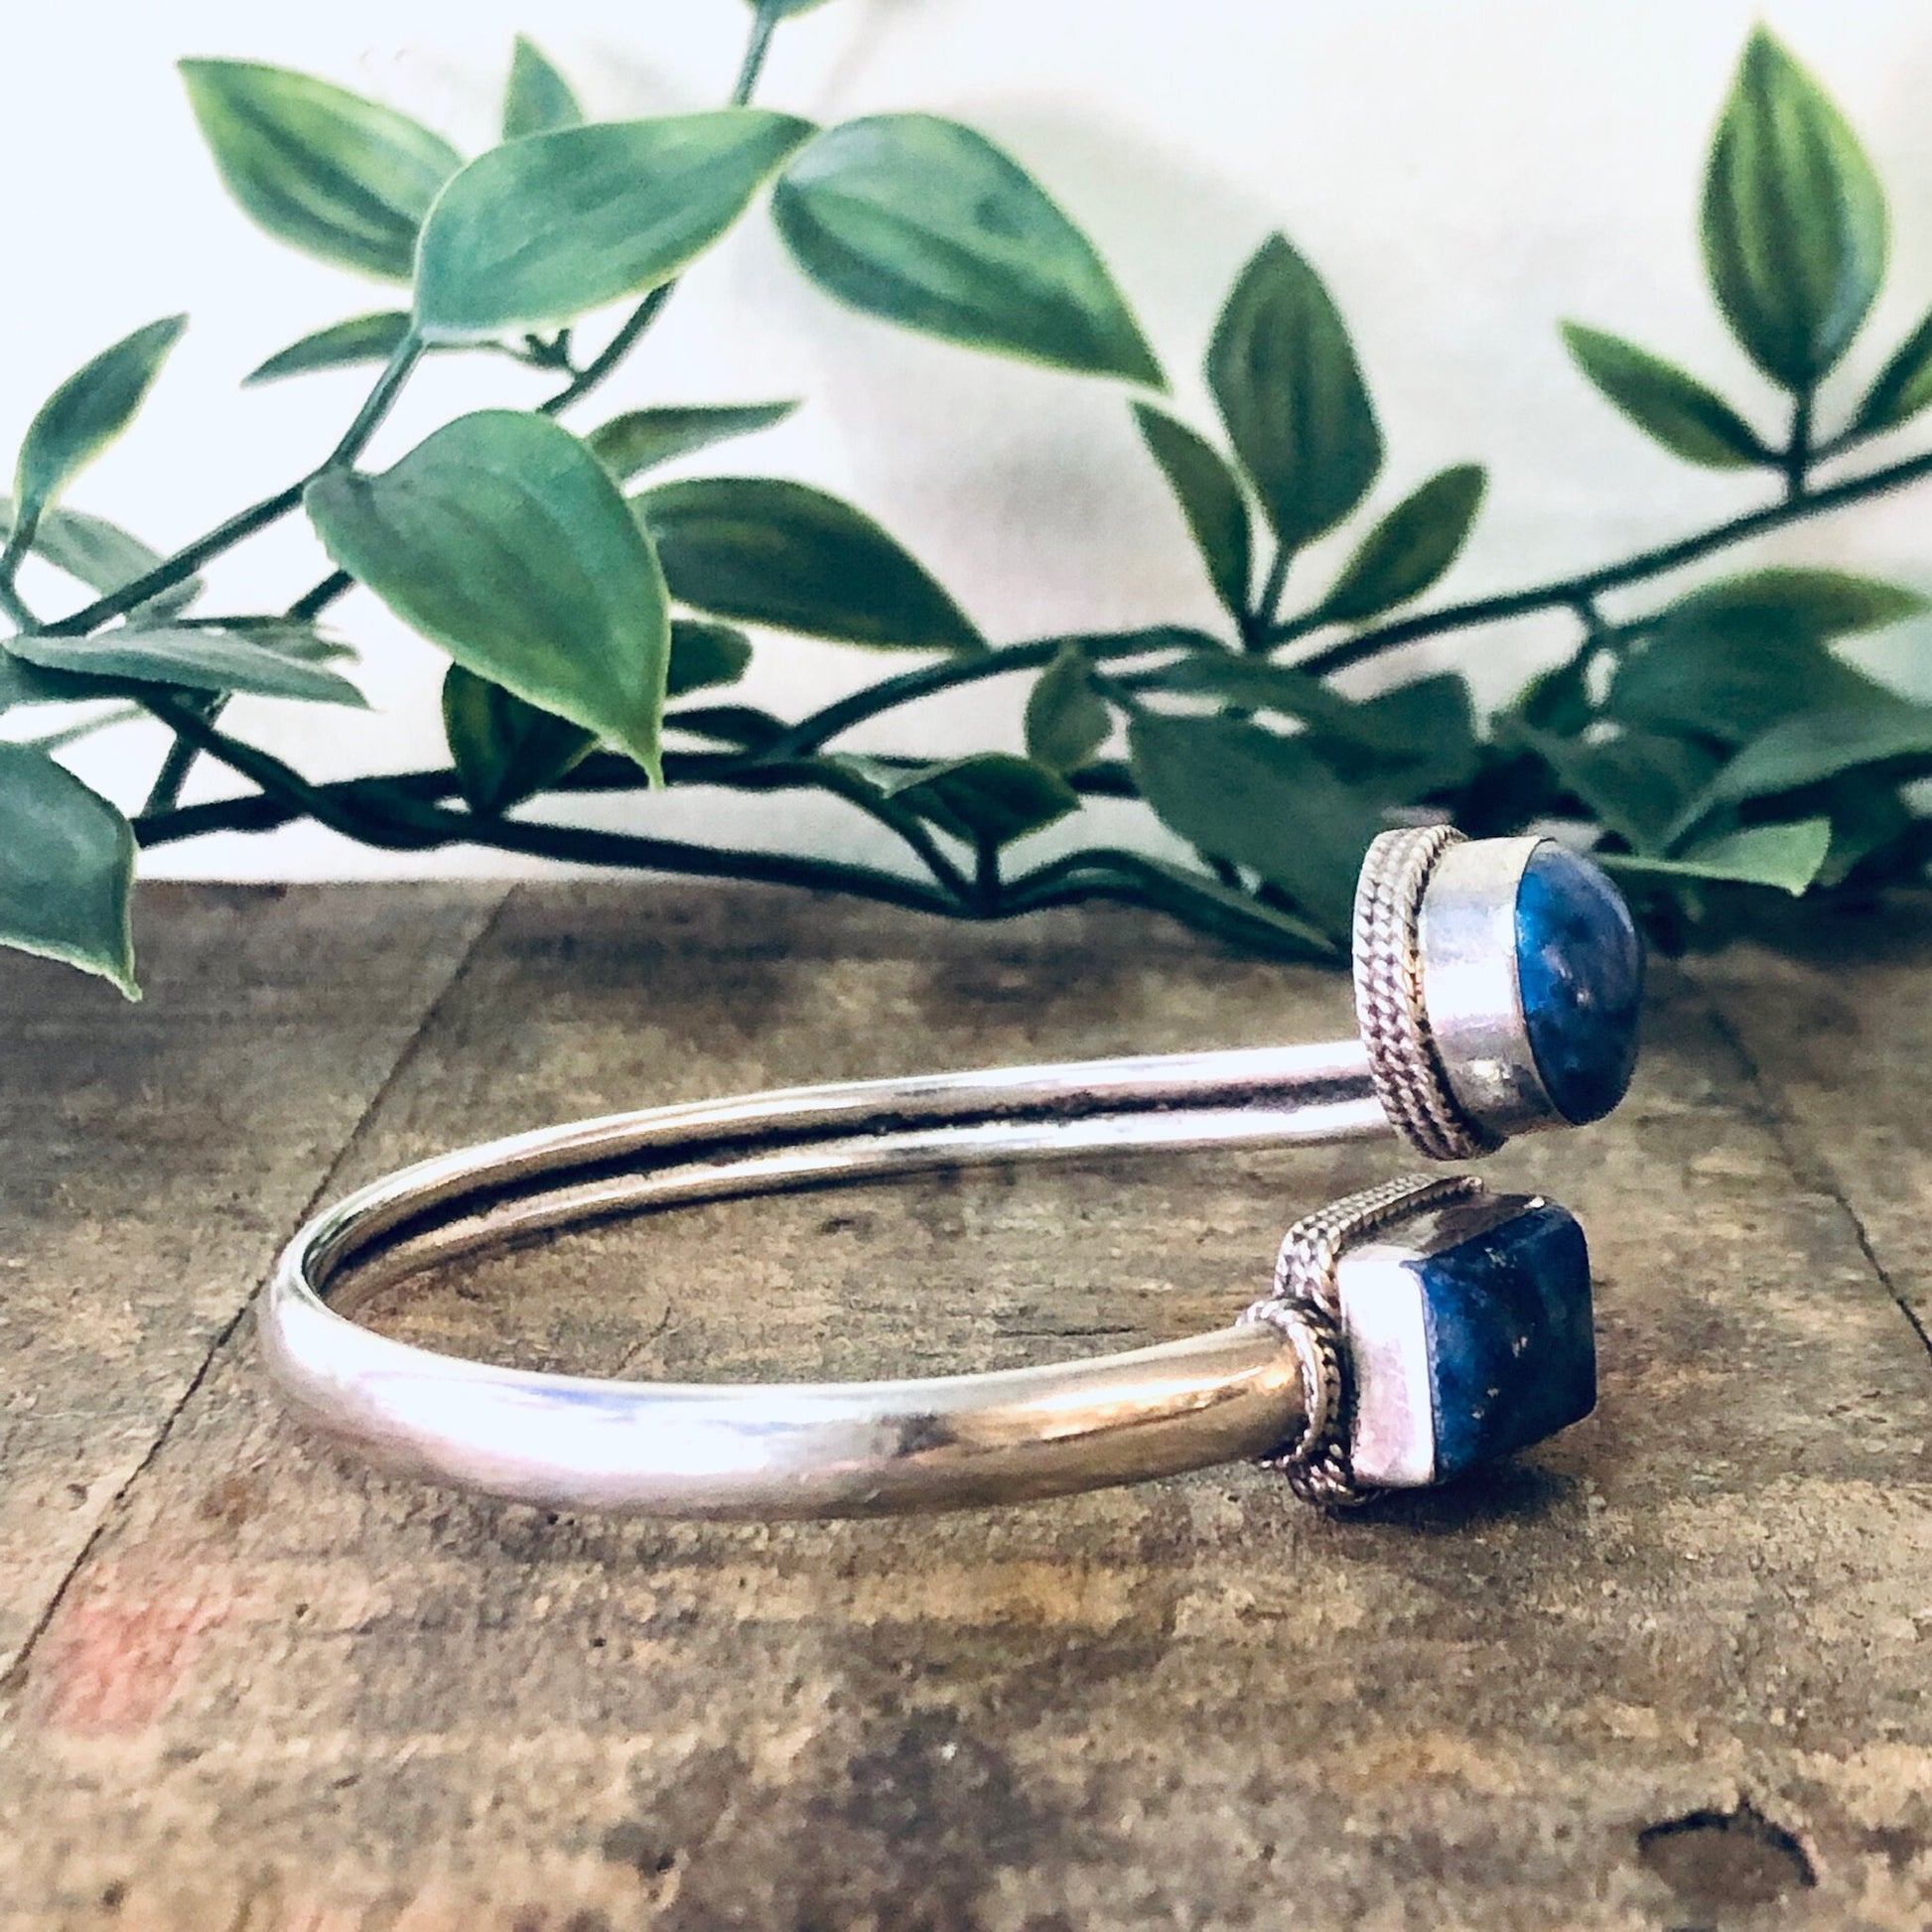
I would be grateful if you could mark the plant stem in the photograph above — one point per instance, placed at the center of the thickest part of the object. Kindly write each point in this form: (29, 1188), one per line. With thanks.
(181, 754)
(376, 405)
(258, 516)
(1637, 569)
(1099, 873)
(612, 352)
(319, 596)
(603, 772)
(755, 49)
(822, 726)
(401, 817)
(578, 843)
(1255, 628)
(646, 312)
(1130, 878)
(15, 605)
(20, 540)
(1798, 452)
(987, 891)
(410, 827)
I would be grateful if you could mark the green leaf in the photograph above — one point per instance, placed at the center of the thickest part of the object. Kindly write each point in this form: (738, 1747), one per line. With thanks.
(1902, 389)
(791, 556)
(506, 542)
(547, 228)
(1794, 220)
(1637, 783)
(1290, 392)
(1395, 748)
(1867, 819)
(705, 654)
(1210, 497)
(1421, 740)
(783, 9)
(1068, 722)
(990, 799)
(538, 99)
(1410, 548)
(1670, 405)
(1817, 603)
(1260, 800)
(1234, 914)
(290, 635)
(1257, 685)
(264, 661)
(742, 725)
(1558, 699)
(1786, 856)
(120, 713)
(363, 339)
(926, 223)
(1706, 682)
(641, 438)
(100, 555)
(504, 750)
(87, 412)
(1736, 658)
(67, 869)
(1808, 750)
(318, 166)
(22, 684)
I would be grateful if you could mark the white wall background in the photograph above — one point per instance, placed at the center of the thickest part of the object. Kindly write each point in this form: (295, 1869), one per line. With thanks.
(1463, 171)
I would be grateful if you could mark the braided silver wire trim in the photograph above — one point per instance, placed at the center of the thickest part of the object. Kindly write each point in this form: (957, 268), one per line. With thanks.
(1406, 1070)
(1305, 1306)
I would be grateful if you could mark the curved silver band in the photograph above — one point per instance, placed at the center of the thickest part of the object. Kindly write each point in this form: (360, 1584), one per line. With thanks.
(806, 1449)
(1443, 1056)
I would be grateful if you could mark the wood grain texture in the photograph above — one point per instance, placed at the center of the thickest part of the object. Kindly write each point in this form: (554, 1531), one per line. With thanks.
(284, 1692)
(1837, 1024)
(151, 1155)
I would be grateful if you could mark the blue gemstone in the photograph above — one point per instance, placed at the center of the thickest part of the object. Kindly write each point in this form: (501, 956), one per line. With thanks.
(1580, 964)
(1511, 1348)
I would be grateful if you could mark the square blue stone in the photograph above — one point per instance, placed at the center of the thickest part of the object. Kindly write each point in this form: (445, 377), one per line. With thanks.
(1510, 1344)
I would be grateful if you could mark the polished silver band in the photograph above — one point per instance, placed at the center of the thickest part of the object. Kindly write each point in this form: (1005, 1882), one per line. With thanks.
(803, 1450)
(1253, 1390)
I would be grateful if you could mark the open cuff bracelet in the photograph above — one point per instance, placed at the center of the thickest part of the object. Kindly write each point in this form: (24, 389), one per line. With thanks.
(1412, 1331)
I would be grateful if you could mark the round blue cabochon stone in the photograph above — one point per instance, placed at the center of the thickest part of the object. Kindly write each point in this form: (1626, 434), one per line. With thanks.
(1580, 964)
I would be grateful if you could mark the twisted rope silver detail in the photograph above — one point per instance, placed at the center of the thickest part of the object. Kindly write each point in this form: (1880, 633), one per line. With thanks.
(1305, 1306)
(1406, 1070)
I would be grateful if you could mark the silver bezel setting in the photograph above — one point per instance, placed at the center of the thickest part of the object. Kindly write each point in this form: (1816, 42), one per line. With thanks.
(1390, 1011)
(1391, 1421)
(1309, 1306)
(1351, 1293)
(1438, 994)
(1471, 990)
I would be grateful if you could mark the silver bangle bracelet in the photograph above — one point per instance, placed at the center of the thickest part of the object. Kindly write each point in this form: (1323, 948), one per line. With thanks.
(1410, 1330)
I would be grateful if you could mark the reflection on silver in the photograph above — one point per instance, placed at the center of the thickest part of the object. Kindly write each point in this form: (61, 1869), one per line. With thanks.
(768, 1451)
(721, 1450)
(1467, 942)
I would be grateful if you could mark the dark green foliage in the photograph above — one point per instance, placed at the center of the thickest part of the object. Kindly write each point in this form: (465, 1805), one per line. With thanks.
(792, 557)
(1291, 393)
(1707, 743)
(925, 223)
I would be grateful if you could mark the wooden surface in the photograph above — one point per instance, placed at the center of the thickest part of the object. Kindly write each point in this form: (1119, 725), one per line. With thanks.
(1669, 1671)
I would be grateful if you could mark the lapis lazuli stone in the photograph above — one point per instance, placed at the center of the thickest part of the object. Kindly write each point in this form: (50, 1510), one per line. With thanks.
(1579, 965)
(1511, 1347)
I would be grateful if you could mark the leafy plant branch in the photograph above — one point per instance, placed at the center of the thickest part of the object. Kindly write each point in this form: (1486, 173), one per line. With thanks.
(592, 613)
(1661, 560)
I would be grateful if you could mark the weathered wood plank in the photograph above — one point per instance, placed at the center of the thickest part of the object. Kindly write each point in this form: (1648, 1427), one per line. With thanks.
(1836, 1020)
(151, 1155)
(286, 1692)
